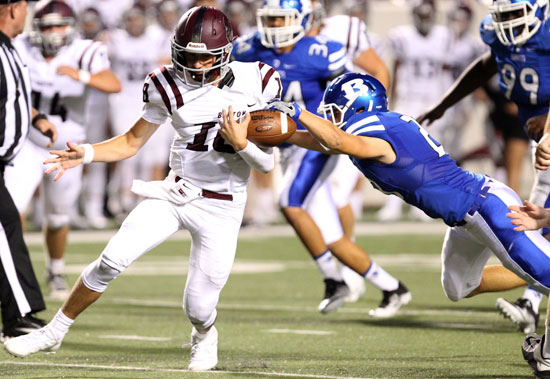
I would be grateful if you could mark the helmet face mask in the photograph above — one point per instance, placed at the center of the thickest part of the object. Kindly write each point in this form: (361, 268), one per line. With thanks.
(201, 34)
(295, 20)
(53, 27)
(352, 93)
(516, 21)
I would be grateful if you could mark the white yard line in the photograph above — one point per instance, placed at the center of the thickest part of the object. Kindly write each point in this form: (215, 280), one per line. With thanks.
(291, 308)
(155, 369)
(298, 331)
(251, 232)
(134, 338)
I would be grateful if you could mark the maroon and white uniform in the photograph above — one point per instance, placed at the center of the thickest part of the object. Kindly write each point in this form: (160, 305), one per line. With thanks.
(63, 100)
(209, 198)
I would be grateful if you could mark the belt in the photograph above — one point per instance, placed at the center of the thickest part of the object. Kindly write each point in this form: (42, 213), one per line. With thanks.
(212, 194)
(476, 205)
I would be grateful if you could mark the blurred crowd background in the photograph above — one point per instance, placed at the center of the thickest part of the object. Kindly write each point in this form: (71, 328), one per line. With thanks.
(482, 133)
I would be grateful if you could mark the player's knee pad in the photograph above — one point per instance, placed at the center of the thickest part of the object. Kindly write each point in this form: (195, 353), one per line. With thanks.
(98, 274)
(56, 221)
(452, 291)
(201, 316)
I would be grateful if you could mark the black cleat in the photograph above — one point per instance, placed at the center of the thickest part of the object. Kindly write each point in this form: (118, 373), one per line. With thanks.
(335, 295)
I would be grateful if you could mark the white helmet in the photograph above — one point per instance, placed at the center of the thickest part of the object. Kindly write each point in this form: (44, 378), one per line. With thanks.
(297, 16)
(516, 21)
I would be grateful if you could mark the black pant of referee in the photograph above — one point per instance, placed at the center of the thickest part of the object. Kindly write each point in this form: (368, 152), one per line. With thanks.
(20, 294)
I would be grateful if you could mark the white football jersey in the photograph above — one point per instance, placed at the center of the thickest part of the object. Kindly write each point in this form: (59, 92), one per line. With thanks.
(424, 63)
(350, 32)
(61, 98)
(163, 38)
(198, 152)
(132, 58)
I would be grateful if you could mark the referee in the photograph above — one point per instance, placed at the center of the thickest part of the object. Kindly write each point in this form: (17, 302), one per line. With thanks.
(20, 294)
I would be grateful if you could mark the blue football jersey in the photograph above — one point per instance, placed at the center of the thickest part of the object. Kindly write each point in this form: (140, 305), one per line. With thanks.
(423, 174)
(305, 71)
(524, 71)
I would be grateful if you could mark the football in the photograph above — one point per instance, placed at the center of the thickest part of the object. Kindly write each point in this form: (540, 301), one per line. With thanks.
(270, 127)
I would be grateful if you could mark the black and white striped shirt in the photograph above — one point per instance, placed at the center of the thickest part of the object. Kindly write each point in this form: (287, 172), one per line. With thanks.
(15, 100)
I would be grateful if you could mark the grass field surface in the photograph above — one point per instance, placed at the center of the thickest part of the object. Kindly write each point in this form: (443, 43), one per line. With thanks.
(268, 321)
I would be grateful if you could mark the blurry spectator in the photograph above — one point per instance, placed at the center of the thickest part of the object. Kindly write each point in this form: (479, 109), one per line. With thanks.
(241, 17)
(111, 11)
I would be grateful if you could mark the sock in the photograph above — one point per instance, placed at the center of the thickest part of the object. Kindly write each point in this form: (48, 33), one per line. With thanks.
(534, 297)
(380, 278)
(60, 325)
(328, 266)
(57, 266)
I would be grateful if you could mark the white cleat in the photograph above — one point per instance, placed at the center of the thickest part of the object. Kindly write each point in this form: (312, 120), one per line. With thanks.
(58, 287)
(391, 302)
(520, 312)
(204, 350)
(39, 340)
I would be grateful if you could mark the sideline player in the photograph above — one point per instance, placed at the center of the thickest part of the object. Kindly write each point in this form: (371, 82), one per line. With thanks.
(397, 155)
(62, 68)
(204, 193)
(518, 34)
(306, 64)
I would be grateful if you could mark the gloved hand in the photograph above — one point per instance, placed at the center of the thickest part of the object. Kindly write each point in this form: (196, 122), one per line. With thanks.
(293, 110)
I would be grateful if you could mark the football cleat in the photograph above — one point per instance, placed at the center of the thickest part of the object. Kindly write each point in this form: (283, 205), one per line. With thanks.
(391, 302)
(39, 340)
(335, 295)
(204, 350)
(532, 353)
(58, 287)
(21, 326)
(520, 312)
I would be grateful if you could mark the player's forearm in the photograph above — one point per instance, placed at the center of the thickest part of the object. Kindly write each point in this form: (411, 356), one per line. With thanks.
(547, 124)
(323, 130)
(105, 81)
(475, 75)
(125, 145)
(261, 160)
(369, 61)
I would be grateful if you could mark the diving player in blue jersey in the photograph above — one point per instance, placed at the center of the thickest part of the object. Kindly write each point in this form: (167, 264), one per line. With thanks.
(518, 34)
(305, 65)
(398, 156)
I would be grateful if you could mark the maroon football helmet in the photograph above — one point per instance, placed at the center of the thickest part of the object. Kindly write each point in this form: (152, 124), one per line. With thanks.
(48, 14)
(202, 30)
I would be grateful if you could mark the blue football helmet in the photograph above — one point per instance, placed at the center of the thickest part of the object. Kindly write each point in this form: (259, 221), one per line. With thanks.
(283, 22)
(352, 93)
(516, 21)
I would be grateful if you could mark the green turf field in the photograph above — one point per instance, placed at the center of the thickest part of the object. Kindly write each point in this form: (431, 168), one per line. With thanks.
(268, 322)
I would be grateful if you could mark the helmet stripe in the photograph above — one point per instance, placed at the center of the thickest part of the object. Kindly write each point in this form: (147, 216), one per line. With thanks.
(197, 30)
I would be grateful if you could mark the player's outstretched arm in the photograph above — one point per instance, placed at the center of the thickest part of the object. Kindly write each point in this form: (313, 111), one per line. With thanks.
(104, 81)
(116, 149)
(371, 62)
(529, 216)
(475, 75)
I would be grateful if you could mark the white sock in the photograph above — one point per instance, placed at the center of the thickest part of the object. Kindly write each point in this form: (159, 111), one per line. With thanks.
(534, 297)
(56, 266)
(60, 325)
(380, 278)
(328, 266)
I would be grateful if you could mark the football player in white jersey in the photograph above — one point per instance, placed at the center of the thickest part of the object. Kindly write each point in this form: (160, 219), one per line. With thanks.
(62, 70)
(421, 73)
(205, 191)
(126, 46)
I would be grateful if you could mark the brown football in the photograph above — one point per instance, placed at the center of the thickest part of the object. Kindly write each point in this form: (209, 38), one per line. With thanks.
(270, 127)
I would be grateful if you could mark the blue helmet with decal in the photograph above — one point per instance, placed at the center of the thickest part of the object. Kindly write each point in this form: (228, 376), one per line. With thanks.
(284, 22)
(516, 21)
(353, 93)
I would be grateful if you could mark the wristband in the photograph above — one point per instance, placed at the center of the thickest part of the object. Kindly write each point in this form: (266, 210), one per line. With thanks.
(84, 76)
(38, 117)
(88, 153)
